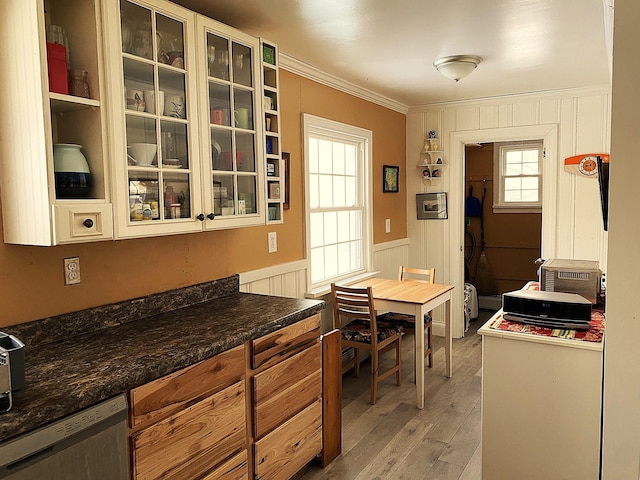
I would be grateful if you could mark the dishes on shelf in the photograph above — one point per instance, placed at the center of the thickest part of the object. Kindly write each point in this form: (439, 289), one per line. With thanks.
(171, 163)
(143, 153)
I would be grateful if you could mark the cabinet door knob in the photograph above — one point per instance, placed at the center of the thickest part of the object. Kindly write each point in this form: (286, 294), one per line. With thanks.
(88, 223)
(211, 216)
(201, 217)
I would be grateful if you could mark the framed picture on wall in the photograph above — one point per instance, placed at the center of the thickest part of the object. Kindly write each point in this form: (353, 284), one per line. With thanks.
(390, 179)
(431, 206)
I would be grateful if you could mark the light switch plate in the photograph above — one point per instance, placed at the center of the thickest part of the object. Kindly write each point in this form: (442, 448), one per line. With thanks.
(273, 242)
(387, 225)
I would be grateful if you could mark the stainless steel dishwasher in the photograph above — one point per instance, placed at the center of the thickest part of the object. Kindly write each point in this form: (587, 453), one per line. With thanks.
(88, 445)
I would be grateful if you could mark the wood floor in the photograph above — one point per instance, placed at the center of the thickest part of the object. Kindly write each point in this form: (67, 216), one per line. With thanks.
(393, 439)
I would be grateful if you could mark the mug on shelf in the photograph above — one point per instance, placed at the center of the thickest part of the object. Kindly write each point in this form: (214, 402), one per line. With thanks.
(174, 106)
(216, 116)
(150, 100)
(242, 117)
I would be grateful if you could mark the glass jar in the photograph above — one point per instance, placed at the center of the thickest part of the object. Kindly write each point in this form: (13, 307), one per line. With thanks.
(79, 83)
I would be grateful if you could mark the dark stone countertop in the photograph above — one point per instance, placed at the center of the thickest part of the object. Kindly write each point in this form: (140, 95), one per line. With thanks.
(73, 373)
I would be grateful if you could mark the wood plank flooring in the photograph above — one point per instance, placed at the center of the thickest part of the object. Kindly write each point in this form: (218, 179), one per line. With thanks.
(393, 439)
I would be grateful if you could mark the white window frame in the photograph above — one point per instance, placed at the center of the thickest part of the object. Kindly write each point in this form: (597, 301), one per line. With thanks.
(332, 130)
(499, 156)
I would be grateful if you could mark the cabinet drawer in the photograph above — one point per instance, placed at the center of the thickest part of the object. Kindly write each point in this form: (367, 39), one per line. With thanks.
(173, 392)
(194, 440)
(286, 388)
(235, 468)
(288, 448)
(284, 343)
(82, 223)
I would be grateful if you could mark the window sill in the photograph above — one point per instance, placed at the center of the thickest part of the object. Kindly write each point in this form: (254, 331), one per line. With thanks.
(518, 209)
(326, 289)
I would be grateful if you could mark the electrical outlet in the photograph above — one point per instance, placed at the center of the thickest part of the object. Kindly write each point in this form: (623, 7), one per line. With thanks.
(273, 242)
(72, 271)
(387, 225)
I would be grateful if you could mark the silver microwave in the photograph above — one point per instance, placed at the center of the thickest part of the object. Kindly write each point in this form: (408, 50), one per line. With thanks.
(571, 276)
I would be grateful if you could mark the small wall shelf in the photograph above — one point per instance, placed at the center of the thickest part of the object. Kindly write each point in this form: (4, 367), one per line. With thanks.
(273, 147)
(432, 163)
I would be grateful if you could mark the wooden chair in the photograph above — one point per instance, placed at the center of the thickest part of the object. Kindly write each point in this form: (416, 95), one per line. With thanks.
(362, 330)
(407, 322)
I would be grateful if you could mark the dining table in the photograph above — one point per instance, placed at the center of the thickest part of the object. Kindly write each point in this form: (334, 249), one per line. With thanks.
(414, 298)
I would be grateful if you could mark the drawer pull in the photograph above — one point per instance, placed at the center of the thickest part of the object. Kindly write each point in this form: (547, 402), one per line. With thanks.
(88, 223)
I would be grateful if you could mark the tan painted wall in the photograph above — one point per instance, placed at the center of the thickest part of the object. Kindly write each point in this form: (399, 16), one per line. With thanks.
(31, 278)
(389, 144)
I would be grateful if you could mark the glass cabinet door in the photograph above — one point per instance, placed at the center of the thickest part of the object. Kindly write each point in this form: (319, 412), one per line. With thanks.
(235, 192)
(158, 129)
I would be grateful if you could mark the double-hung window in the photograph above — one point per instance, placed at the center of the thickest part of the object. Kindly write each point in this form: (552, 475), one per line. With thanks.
(338, 200)
(518, 176)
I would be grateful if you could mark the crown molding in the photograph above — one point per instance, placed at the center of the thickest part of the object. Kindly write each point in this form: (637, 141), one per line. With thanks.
(305, 70)
(528, 96)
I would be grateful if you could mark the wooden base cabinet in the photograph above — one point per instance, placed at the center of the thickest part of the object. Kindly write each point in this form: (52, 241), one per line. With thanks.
(191, 442)
(255, 411)
(286, 405)
(291, 446)
(192, 423)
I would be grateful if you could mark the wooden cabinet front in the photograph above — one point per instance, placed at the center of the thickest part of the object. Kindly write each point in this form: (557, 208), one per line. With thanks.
(288, 341)
(285, 389)
(192, 422)
(192, 441)
(202, 422)
(176, 391)
(234, 469)
(291, 446)
(286, 403)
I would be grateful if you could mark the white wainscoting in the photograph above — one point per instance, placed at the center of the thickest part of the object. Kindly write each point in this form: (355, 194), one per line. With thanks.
(282, 280)
(388, 256)
(290, 279)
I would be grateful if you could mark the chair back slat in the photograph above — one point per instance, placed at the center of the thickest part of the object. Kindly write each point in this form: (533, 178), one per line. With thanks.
(426, 275)
(354, 304)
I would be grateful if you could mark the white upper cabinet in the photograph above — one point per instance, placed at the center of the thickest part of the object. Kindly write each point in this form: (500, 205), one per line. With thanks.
(125, 119)
(185, 150)
(154, 117)
(66, 200)
(231, 126)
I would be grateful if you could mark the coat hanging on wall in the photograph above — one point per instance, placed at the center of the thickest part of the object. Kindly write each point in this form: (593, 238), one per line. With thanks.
(472, 205)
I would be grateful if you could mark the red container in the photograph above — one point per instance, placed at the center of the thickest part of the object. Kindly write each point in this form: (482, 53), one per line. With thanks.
(57, 66)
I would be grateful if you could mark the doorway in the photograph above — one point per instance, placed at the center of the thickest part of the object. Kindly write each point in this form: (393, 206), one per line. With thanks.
(458, 141)
(501, 244)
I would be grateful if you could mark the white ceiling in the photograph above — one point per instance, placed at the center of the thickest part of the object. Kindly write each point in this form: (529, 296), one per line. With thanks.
(389, 46)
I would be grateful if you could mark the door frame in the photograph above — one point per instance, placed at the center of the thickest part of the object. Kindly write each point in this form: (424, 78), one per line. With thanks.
(549, 135)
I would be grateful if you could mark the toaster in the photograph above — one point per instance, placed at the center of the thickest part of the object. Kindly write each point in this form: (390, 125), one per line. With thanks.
(11, 369)
(571, 276)
(6, 400)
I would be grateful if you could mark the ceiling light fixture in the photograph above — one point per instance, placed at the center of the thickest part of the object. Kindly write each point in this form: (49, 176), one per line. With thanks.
(456, 67)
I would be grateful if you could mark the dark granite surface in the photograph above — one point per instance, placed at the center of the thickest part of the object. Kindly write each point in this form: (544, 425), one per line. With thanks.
(77, 371)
